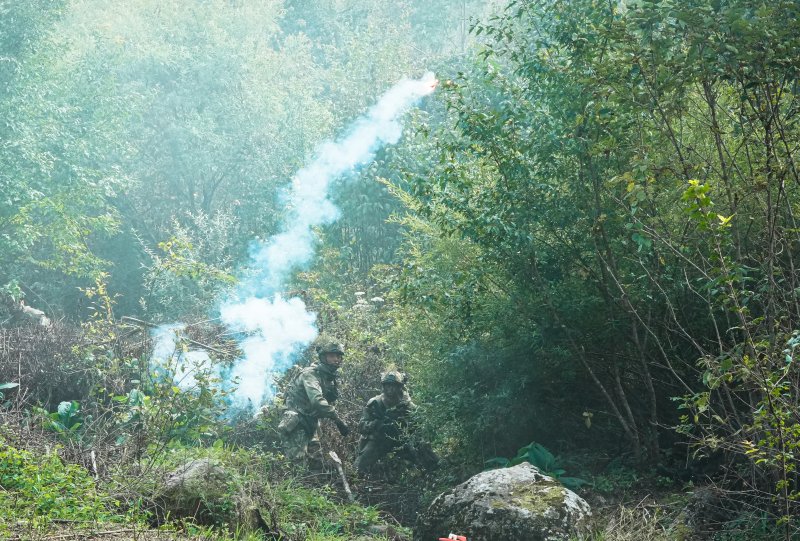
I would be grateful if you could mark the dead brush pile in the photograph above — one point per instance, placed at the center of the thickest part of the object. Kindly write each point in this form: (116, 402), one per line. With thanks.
(45, 363)
(53, 365)
(73, 388)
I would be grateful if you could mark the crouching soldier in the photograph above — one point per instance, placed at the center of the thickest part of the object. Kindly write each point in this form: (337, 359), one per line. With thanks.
(310, 397)
(385, 427)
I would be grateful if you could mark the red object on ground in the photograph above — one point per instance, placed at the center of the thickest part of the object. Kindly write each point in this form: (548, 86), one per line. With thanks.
(453, 537)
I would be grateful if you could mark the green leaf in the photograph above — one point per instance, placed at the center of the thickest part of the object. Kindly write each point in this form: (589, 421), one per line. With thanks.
(573, 483)
(540, 457)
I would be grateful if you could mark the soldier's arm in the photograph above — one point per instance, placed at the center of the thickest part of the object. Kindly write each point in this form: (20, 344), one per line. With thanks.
(319, 405)
(408, 412)
(370, 421)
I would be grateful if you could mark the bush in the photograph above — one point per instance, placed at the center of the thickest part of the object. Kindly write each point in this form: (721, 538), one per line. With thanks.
(37, 490)
(537, 455)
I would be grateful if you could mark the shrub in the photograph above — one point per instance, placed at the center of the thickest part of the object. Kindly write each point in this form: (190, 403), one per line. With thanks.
(66, 420)
(537, 455)
(38, 490)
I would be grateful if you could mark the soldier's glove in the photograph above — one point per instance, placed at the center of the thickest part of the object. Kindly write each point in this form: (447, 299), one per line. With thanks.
(344, 430)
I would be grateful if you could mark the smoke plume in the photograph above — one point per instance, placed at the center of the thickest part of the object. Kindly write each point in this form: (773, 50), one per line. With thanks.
(276, 329)
(171, 358)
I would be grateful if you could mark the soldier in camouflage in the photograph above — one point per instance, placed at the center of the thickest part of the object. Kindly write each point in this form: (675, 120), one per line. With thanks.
(385, 427)
(310, 397)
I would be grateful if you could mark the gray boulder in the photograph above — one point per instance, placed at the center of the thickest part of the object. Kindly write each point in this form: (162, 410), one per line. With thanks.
(508, 503)
(204, 491)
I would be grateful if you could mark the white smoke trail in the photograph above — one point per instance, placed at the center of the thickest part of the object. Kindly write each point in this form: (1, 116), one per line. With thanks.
(277, 328)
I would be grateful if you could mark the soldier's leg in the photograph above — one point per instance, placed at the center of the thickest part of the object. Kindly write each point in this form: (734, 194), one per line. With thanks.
(368, 455)
(425, 457)
(314, 454)
(295, 444)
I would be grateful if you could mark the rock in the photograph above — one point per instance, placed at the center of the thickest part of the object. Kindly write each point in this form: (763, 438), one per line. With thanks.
(205, 492)
(509, 503)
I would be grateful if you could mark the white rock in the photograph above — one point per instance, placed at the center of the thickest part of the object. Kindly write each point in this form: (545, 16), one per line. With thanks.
(507, 503)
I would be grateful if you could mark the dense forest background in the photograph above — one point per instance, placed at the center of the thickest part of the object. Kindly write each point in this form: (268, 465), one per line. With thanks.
(585, 237)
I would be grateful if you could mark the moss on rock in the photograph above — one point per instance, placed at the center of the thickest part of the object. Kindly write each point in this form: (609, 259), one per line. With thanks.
(510, 503)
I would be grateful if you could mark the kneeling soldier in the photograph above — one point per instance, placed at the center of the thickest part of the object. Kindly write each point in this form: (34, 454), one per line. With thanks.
(384, 427)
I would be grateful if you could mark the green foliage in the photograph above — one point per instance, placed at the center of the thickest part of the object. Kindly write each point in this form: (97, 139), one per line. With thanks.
(189, 272)
(615, 480)
(256, 479)
(468, 361)
(537, 455)
(36, 490)
(13, 291)
(171, 406)
(600, 210)
(305, 511)
(750, 526)
(770, 438)
(66, 420)
(174, 122)
(615, 176)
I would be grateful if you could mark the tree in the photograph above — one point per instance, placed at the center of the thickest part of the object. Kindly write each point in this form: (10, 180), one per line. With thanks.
(630, 169)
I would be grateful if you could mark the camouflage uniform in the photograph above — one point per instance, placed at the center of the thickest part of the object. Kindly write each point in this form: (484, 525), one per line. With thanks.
(309, 399)
(385, 429)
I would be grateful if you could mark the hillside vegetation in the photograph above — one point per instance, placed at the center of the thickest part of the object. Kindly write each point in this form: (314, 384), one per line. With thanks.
(580, 251)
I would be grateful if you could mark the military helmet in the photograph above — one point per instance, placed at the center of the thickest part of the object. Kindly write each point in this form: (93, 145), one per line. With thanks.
(393, 376)
(329, 346)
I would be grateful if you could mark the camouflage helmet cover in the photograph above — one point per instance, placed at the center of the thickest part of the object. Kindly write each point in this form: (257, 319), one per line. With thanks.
(393, 376)
(329, 346)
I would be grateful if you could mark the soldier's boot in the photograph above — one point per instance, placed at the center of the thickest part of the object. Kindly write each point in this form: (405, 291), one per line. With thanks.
(314, 459)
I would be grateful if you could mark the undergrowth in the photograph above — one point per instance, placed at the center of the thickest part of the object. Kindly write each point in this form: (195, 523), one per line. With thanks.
(40, 490)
